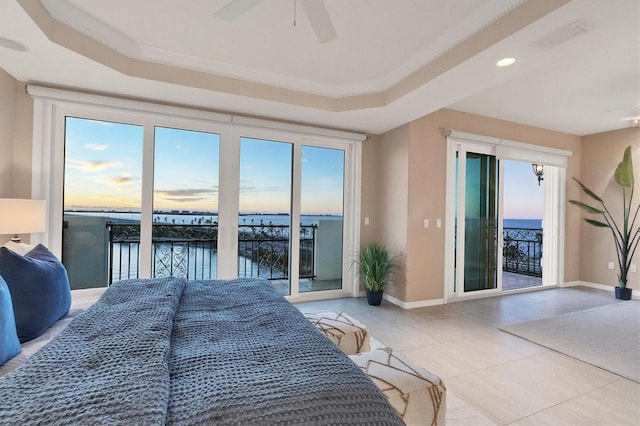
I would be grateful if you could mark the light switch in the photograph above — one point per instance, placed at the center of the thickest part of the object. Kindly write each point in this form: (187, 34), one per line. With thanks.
(426, 223)
(439, 223)
(610, 265)
(366, 220)
(632, 268)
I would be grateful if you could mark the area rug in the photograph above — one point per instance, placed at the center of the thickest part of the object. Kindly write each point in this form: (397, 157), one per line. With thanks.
(607, 337)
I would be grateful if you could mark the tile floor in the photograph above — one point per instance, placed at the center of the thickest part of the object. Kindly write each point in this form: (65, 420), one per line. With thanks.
(513, 281)
(493, 377)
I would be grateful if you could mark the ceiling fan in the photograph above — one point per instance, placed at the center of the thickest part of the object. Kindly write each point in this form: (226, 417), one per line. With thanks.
(315, 10)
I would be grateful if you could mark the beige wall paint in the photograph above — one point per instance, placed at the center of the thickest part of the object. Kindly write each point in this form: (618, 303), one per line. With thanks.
(16, 122)
(391, 197)
(8, 101)
(22, 143)
(369, 178)
(601, 154)
(425, 246)
(425, 160)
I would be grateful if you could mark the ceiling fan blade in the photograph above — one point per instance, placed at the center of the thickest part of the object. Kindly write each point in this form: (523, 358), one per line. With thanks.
(319, 19)
(235, 8)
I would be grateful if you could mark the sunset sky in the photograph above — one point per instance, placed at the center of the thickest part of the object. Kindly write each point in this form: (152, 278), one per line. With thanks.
(103, 169)
(523, 198)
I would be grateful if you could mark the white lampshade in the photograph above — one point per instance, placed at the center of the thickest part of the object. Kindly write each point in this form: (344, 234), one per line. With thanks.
(22, 216)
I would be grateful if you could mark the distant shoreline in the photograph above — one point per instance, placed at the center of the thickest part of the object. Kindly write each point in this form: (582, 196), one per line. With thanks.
(191, 213)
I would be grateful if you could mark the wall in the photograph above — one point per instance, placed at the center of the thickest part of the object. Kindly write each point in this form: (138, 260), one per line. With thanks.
(425, 162)
(22, 143)
(392, 198)
(369, 190)
(601, 154)
(16, 121)
(8, 101)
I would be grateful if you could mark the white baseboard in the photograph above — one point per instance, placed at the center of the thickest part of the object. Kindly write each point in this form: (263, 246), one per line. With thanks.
(435, 302)
(413, 305)
(635, 295)
(408, 305)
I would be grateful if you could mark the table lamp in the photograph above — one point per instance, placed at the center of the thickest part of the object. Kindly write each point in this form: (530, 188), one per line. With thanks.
(19, 216)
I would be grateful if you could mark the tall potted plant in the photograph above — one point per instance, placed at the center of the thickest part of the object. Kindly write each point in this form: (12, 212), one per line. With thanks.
(625, 233)
(375, 267)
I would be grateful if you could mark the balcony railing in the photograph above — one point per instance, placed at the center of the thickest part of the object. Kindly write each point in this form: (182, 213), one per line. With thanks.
(190, 251)
(522, 251)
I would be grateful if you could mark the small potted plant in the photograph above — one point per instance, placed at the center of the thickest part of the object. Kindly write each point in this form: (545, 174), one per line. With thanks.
(625, 233)
(375, 268)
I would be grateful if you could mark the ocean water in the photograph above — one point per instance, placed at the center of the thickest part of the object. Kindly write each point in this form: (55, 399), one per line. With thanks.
(523, 223)
(188, 219)
(275, 219)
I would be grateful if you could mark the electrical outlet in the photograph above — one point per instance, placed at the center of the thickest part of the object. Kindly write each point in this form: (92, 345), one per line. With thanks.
(632, 268)
(366, 220)
(610, 265)
(438, 223)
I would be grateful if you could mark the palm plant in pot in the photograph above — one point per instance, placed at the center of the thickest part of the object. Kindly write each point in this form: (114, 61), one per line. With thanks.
(375, 268)
(625, 233)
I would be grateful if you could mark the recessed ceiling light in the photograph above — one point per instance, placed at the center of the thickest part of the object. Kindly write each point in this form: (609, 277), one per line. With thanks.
(505, 62)
(13, 45)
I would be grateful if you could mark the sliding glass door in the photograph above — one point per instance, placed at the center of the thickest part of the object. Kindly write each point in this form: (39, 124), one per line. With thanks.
(151, 191)
(480, 222)
(477, 240)
(496, 206)
(321, 218)
(290, 216)
(185, 203)
(102, 201)
(264, 220)
(106, 189)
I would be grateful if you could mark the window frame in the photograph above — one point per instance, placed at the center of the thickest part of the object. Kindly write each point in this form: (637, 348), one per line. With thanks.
(52, 106)
(555, 162)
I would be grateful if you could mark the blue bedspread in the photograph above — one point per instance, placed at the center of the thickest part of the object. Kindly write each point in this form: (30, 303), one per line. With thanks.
(166, 351)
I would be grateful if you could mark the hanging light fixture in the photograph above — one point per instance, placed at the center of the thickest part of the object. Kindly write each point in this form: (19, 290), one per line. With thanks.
(537, 170)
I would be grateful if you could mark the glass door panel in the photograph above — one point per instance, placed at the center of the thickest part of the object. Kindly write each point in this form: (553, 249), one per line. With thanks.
(185, 204)
(264, 221)
(481, 222)
(102, 199)
(321, 217)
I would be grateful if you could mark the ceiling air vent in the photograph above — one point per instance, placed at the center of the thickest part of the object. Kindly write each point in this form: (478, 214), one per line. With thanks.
(570, 31)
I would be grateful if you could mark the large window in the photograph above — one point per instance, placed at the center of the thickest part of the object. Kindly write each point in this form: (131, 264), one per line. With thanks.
(178, 192)
(264, 220)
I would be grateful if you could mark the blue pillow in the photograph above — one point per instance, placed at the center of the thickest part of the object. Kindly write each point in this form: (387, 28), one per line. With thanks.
(9, 343)
(39, 289)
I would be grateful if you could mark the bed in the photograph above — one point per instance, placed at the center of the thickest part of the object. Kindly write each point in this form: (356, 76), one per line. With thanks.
(167, 351)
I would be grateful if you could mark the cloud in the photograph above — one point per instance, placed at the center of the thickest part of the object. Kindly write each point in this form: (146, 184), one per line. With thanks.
(123, 180)
(97, 146)
(92, 166)
(187, 195)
